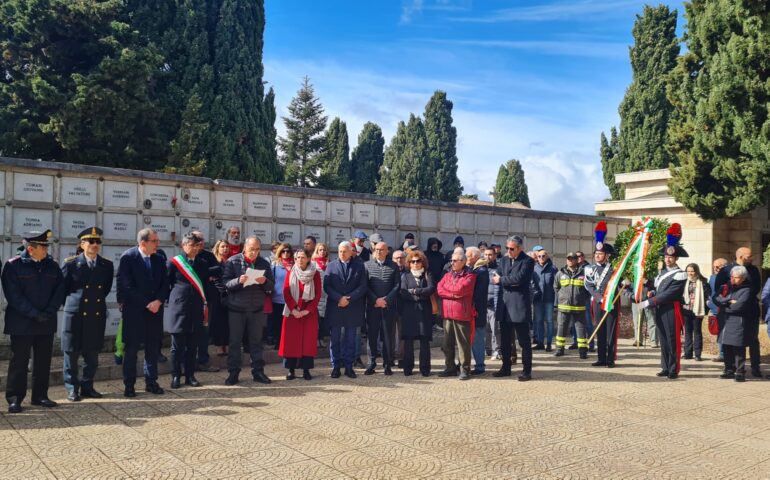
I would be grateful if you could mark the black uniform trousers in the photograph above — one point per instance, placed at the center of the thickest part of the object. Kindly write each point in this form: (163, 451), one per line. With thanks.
(407, 362)
(669, 334)
(693, 334)
(520, 330)
(183, 353)
(376, 322)
(735, 359)
(21, 345)
(607, 336)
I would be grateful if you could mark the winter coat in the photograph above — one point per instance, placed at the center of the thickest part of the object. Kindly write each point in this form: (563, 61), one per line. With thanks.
(250, 298)
(85, 308)
(435, 259)
(31, 288)
(515, 282)
(480, 292)
(735, 326)
(416, 308)
(571, 293)
(459, 284)
(543, 276)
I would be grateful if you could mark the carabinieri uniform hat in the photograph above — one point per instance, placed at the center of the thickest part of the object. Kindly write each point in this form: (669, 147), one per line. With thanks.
(673, 247)
(600, 232)
(91, 233)
(38, 238)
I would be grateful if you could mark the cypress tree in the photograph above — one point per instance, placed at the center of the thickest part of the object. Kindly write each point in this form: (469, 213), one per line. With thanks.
(303, 146)
(187, 156)
(510, 186)
(367, 159)
(335, 170)
(406, 169)
(442, 147)
(611, 163)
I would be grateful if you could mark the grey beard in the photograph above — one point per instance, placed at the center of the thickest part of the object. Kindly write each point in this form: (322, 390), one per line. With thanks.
(233, 241)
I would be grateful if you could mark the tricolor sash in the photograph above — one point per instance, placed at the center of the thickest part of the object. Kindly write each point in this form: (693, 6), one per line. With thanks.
(186, 269)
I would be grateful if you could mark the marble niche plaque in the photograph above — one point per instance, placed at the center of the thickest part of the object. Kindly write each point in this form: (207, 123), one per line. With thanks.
(2, 219)
(263, 231)
(194, 223)
(467, 221)
(484, 222)
(428, 219)
(288, 234)
(363, 213)
(338, 235)
(2, 185)
(120, 194)
(229, 203)
(120, 226)
(163, 226)
(72, 223)
(288, 207)
(194, 200)
(340, 212)
(66, 251)
(448, 221)
(161, 196)
(259, 205)
(28, 219)
(407, 216)
(318, 232)
(113, 253)
(113, 321)
(78, 191)
(386, 215)
(315, 210)
(32, 188)
(389, 237)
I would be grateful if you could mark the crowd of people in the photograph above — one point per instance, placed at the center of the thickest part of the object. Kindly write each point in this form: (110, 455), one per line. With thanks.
(483, 298)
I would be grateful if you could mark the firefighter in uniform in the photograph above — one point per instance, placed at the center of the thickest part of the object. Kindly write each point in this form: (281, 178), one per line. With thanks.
(666, 299)
(33, 287)
(87, 282)
(597, 277)
(571, 296)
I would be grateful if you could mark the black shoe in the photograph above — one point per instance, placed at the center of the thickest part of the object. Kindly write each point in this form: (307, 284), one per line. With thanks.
(756, 373)
(687, 357)
(358, 363)
(14, 407)
(129, 392)
(503, 372)
(698, 358)
(175, 383)
(407, 373)
(369, 370)
(599, 363)
(118, 360)
(154, 388)
(539, 346)
(73, 396)
(162, 358)
(232, 379)
(464, 375)
(559, 352)
(673, 376)
(306, 375)
(662, 373)
(475, 372)
(514, 361)
(193, 382)
(610, 364)
(525, 377)
(548, 348)
(44, 402)
(583, 353)
(425, 374)
(388, 371)
(447, 373)
(574, 346)
(350, 373)
(727, 374)
(335, 373)
(261, 378)
(291, 375)
(740, 378)
(89, 393)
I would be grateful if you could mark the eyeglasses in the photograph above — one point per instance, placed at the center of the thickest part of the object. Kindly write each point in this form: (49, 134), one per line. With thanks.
(286, 252)
(541, 256)
(456, 260)
(94, 241)
(417, 261)
(510, 249)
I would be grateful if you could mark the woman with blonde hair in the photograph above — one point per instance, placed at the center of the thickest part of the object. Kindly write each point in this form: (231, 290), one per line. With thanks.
(282, 263)
(417, 286)
(321, 259)
(219, 328)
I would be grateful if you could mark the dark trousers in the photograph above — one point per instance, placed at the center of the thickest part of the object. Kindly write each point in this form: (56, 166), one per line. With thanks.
(693, 334)
(183, 346)
(377, 323)
(153, 335)
(407, 362)
(305, 363)
(670, 343)
(202, 344)
(21, 345)
(342, 346)
(735, 359)
(90, 363)
(607, 336)
(275, 322)
(754, 345)
(521, 331)
(254, 323)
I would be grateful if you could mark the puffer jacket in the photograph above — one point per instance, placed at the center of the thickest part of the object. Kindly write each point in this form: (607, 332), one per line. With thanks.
(571, 293)
(543, 276)
(462, 284)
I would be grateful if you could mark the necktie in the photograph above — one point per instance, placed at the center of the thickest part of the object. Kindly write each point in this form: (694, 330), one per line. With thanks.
(147, 264)
(91, 264)
(344, 270)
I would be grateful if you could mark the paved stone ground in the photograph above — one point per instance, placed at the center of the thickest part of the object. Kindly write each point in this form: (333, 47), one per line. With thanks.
(572, 421)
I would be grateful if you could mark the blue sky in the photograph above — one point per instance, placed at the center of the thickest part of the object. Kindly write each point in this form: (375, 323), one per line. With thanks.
(533, 80)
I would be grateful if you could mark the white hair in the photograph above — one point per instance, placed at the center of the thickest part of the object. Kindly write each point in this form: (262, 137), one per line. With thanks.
(739, 271)
(473, 251)
(345, 244)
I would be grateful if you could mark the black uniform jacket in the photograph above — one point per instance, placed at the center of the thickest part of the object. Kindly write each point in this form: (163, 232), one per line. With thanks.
(85, 307)
(32, 288)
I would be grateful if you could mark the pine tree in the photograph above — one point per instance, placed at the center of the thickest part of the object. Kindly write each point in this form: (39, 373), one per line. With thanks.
(187, 156)
(442, 147)
(335, 169)
(721, 128)
(510, 186)
(304, 143)
(611, 163)
(405, 171)
(367, 159)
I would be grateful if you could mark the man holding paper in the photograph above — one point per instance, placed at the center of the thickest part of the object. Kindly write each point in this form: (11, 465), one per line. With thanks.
(247, 291)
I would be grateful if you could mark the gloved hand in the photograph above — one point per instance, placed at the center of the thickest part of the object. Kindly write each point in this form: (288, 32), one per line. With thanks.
(645, 304)
(625, 283)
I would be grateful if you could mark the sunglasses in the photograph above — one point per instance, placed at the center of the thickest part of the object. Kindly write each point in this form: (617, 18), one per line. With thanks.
(94, 241)
(510, 249)
(416, 261)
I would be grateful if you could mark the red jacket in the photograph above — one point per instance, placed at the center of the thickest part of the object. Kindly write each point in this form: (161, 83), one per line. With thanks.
(461, 284)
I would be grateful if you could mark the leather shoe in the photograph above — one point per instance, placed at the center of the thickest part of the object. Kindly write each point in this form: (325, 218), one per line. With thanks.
(662, 373)
(525, 377)
(175, 383)
(425, 374)
(673, 375)
(291, 375)
(45, 402)
(261, 378)
(610, 364)
(369, 370)
(756, 373)
(464, 375)
(232, 379)
(407, 373)
(447, 373)
(73, 396)
(129, 392)
(335, 373)
(740, 378)
(350, 373)
(388, 371)
(14, 407)
(599, 363)
(727, 374)
(90, 393)
(154, 388)
(475, 372)
(306, 375)
(503, 372)
(193, 382)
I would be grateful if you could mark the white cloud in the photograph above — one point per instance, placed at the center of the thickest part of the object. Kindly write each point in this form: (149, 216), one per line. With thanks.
(571, 48)
(410, 9)
(561, 10)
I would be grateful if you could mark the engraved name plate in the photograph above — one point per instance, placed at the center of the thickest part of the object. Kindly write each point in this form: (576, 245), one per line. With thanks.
(448, 221)
(428, 218)
(194, 200)
(288, 234)
(340, 212)
(315, 210)
(160, 195)
(113, 253)
(263, 231)
(467, 221)
(260, 205)
(288, 207)
(72, 223)
(120, 194)
(33, 188)
(163, 226)
(339, 235)
(120, 226)
(78, 191)
(363, 213)
(318, 232)
(65, 252)
(229, 203)
(189, 224)
(28, 219)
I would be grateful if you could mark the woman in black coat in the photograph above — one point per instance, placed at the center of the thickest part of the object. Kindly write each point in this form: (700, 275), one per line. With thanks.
(734, 322)
(219, 329)
(416, 310)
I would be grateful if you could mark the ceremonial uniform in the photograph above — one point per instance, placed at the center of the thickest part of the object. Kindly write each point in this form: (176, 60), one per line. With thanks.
(87, 282)
(571, 304)
(34, 290)
(597, 276)
(667, 301)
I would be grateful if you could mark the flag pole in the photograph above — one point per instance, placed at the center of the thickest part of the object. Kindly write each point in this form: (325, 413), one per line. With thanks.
(598, 325)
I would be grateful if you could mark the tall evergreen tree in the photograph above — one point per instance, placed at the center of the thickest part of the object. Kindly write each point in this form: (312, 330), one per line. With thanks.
(442, 147)
(303, 146)
(611, 163)
(335, 169)
(510, 186)
(187, 156)
(720, 131)
(367, 159)
(406, 169)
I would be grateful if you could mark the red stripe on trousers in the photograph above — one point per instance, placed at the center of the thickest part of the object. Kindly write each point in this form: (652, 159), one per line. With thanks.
(678, 325)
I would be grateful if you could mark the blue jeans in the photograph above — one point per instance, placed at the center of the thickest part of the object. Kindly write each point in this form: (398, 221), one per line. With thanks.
(479, 348)
(342, 346)
(90, 363)
(544, 322)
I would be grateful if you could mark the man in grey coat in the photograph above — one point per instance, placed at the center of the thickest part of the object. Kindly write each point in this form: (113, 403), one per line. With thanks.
(384, 282)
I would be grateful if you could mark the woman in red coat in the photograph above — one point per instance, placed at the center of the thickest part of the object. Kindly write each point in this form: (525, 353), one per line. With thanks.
(302, 292)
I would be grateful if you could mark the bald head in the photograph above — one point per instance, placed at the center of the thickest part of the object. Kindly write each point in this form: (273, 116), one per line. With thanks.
(743, 256)
(381, 251)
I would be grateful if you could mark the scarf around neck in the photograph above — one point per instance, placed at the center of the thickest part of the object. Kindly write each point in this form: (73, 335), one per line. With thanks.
(697, 305)
(297, 275)
(320, 263)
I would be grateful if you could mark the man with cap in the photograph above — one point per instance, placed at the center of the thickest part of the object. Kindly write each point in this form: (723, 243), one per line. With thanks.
(666, 299)
(359, 250)
(458, 243)
(571, 293)
(87, 282)
(33, 287)
(408, 241)
(597, 277)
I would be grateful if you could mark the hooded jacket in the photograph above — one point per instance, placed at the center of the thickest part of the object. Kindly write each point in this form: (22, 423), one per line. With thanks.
(435, 259)
(448, 256)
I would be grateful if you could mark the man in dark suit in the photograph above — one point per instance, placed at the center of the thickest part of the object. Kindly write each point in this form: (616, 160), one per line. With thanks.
(212, 285)
(514, 274)
(87, 282)
(384, 282)
(345, 285)
(33, 287)
(142, 284)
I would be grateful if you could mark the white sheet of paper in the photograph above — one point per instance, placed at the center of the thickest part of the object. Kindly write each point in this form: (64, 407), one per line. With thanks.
(252, 276)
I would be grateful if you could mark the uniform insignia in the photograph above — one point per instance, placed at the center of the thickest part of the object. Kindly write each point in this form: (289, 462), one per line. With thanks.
(670, 250)
(599, 246)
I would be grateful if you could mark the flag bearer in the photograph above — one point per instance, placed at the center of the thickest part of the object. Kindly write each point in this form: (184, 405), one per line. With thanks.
(597, 277)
